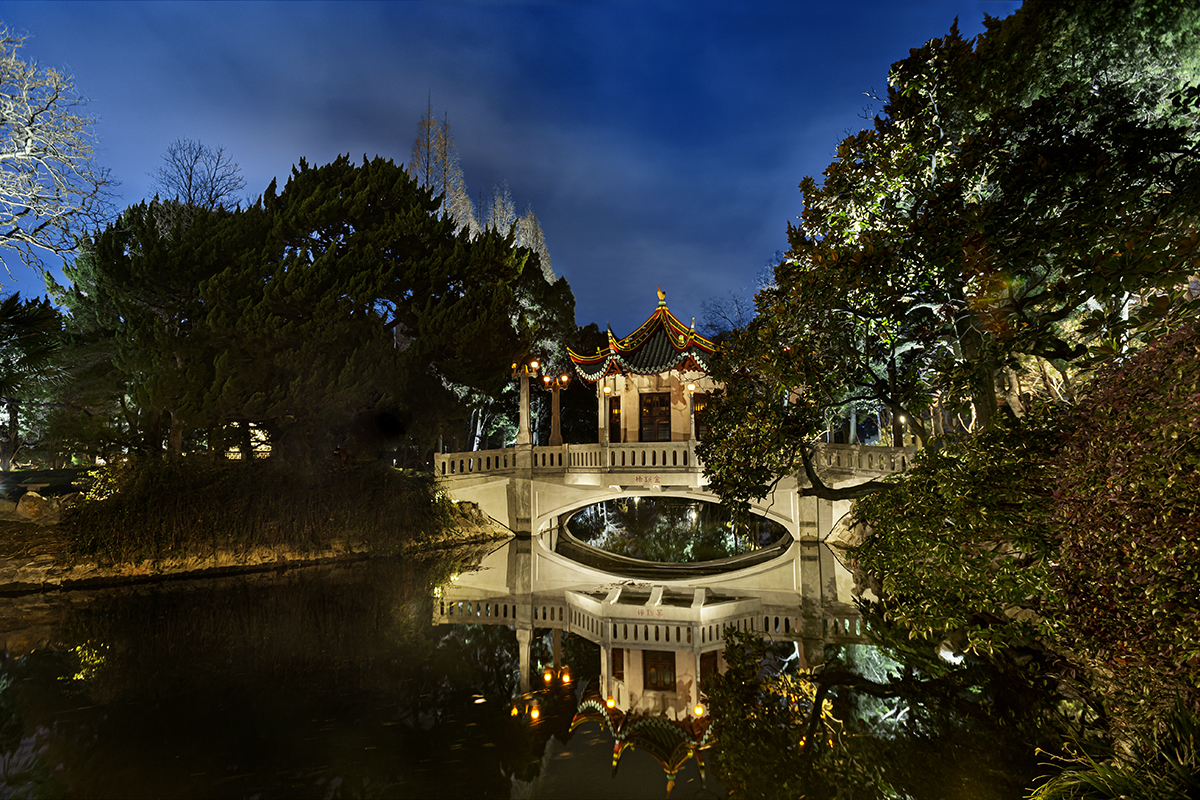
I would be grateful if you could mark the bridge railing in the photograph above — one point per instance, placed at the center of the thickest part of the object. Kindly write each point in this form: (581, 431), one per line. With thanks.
(864, 458)
(659, 456)
(679, 456)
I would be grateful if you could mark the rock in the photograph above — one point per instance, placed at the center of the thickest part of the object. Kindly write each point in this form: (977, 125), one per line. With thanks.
(33, 506)
(844, 534)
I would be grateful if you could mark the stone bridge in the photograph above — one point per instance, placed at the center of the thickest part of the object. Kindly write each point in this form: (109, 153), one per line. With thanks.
(528, 488)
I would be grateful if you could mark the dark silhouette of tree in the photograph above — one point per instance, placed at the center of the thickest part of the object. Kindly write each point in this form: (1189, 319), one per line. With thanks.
(30, 338)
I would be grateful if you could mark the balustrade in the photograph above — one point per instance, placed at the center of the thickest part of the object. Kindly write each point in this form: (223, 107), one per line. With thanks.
(658, 456)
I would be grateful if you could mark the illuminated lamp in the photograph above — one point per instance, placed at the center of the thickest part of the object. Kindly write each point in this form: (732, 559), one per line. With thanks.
(534, 713)
(546, 379)
(547, 676)
(607, 390)
(691, 387)
(610, 702)
(698, 709)
(534, 365)
(566, 675)
(513, 713)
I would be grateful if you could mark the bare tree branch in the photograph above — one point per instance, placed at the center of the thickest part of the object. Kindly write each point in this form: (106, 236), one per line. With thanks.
(194, 174)
(50, 191)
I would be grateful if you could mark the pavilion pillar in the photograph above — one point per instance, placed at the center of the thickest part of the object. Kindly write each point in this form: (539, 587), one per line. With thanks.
(525, 647)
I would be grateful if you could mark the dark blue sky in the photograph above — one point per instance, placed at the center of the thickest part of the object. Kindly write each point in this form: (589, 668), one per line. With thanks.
(657, 142)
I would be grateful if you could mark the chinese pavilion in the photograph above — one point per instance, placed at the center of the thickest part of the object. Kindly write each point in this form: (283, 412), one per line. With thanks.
(652, 384)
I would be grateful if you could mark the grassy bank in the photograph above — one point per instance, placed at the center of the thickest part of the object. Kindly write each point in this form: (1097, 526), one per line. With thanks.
(156, 510)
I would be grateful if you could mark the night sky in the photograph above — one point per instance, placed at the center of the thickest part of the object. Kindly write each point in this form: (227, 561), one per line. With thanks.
(657, 142)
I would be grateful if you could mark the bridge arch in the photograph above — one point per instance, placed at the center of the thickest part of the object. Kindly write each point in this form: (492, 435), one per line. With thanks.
(528, 488)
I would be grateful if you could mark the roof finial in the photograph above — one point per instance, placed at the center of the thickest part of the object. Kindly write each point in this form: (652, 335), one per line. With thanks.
(662, 297)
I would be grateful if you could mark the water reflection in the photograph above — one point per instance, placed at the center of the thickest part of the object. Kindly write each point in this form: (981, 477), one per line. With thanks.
(669, 529)
(659, 637)
(327, 682)
(511, 672)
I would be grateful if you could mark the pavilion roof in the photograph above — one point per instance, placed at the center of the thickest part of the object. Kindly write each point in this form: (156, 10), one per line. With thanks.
(660, 344)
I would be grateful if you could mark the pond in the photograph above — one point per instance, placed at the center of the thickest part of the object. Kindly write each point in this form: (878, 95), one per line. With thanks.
(507, 672)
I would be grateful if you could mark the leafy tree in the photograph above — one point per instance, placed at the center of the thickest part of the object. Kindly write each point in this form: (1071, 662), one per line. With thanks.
(136, 315)
(1127, 508)
(977, 232)
(961, 545)
(50, 190)
(545, 305)
(363, 301)
(340, 312)
(1015, 219)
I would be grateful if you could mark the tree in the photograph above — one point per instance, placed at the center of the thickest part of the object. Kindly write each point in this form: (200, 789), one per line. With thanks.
(50, 191)
(545, 306)
(435, 165)
(1017, 219)
(196, 175)
(136, 319)
(530, 236)
(908, 725)
(501, 212)
(354, 298)
(29, 342)
(979, 234)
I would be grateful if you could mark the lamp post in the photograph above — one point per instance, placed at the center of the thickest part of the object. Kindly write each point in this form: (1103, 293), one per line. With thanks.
(554, 384)
(691, 394)
(604, 414)
(525, 372)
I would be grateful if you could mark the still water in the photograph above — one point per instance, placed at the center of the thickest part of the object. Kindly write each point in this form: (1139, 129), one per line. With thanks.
(320, 682)
(511, 671)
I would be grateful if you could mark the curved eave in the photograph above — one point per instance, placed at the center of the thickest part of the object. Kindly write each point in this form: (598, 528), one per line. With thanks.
(618, 364)
(691, 350)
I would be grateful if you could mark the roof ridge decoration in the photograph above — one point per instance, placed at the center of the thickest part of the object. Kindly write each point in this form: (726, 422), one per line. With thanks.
(659, 344)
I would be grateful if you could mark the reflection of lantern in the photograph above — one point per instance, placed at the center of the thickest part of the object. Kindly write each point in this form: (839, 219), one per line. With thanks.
(513, 713)
(534, 712)
(698, 710)
(566, 675)
(547, 676)
(610, 702)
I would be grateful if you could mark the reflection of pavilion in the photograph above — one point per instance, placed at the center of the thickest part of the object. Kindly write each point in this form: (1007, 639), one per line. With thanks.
(658, 639)
(671, 744)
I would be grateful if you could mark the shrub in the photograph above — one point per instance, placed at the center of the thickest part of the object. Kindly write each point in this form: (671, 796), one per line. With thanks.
(151, 510)
(1128, 513)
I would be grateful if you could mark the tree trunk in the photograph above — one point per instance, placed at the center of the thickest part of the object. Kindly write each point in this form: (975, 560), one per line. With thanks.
(1012, 392)
(175, 437)
(11, 441)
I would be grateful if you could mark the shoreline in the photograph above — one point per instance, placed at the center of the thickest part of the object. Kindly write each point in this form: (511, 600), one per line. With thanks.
(35, 556)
